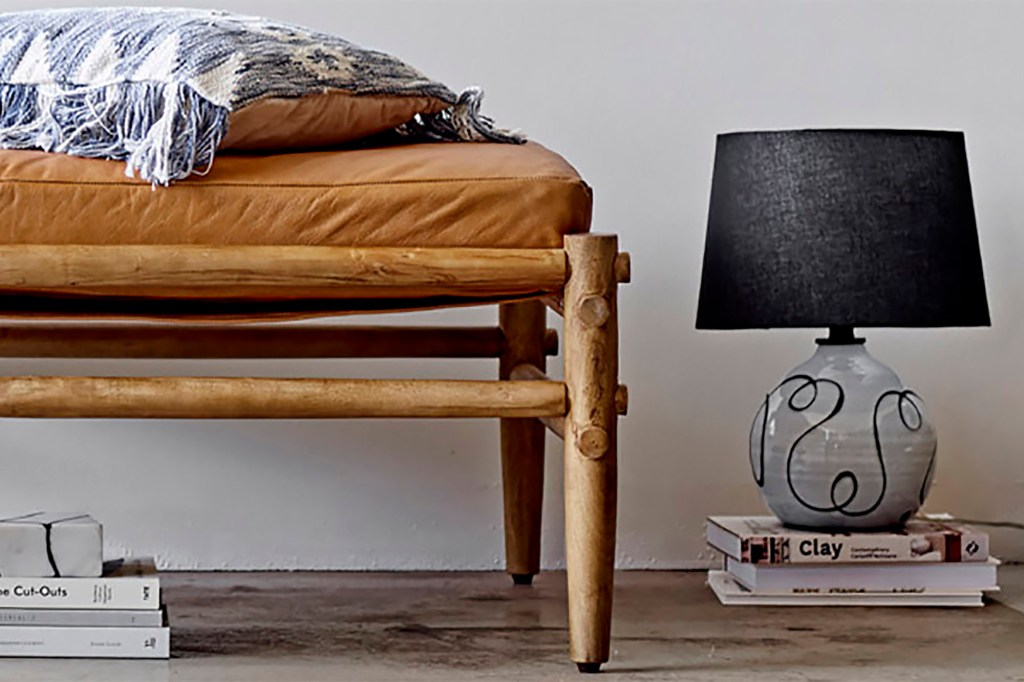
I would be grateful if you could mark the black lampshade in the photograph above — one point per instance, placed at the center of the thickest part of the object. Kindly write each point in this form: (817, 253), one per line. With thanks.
(864, 228)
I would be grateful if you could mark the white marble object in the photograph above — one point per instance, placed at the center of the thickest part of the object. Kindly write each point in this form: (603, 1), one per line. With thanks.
(51, 544)
(842, 443)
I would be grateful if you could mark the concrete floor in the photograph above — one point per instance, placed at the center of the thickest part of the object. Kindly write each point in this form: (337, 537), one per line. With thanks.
(668, 626)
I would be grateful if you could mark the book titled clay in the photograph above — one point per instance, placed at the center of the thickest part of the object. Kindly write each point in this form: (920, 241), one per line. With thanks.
(763, 539)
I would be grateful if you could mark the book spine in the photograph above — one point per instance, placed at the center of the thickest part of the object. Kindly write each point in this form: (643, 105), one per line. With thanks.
(54, 642)
(80, 593)
(852, 549)
(81, 618)
(883, 578)
(926, 591)
(853, 592)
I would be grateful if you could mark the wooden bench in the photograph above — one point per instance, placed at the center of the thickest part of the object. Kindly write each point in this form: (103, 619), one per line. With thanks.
(45, 285)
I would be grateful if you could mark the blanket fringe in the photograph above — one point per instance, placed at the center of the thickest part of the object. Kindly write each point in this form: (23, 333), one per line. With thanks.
(167, 132)
(164, 132)
(461, 122)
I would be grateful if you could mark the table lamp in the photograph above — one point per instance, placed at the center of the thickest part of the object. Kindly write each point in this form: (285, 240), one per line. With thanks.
(842, 229)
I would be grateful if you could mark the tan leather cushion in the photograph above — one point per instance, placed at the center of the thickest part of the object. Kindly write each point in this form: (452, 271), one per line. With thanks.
(444, 194)
(320, 120)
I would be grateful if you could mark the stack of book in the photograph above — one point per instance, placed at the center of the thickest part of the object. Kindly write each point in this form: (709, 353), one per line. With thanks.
(927, 563)
(59, 599)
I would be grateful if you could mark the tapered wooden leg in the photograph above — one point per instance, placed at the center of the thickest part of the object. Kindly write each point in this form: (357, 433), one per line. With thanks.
(591, 377)
(522, 444)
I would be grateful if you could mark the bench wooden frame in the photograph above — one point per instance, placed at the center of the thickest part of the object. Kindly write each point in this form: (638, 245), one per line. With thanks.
(579, 281)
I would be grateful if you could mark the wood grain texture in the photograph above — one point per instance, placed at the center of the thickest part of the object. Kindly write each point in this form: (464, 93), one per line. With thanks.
(591, 377)
(622, 400)
(555, 304)
(278, 272)
(259, 398)
(127, 340)
(528, 372)
(522, 441)
(623, 268)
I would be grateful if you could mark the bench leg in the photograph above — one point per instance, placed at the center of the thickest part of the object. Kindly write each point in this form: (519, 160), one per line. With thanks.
(591, 376)
(522, 444)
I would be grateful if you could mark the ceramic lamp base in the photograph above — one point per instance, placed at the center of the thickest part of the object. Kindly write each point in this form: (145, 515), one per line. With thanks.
(842, 443)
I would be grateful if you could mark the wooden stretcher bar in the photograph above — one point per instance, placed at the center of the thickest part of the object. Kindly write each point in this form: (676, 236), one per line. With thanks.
(53, 397)
(277, 272)
(249, 341)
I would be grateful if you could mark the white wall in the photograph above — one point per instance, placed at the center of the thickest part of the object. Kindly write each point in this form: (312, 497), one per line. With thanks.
(633, 94)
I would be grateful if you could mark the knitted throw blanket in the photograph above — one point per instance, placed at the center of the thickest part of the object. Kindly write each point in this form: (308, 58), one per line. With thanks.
(155, 87)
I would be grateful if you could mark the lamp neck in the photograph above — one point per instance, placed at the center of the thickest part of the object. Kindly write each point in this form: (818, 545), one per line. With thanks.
(840, 335)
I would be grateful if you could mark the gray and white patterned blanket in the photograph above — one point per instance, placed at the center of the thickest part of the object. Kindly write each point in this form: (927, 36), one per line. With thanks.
(155, 87)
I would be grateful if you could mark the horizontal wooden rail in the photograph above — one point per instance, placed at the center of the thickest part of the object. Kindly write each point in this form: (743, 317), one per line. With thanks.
(527, 372)
(49, 340)
(261, 398)
(278, 272)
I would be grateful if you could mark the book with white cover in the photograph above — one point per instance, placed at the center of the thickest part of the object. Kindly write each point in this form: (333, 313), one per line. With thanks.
(732, 593)
(764, 540)
(112, 618)
(763, 578)
(125, 584)
(55, 642)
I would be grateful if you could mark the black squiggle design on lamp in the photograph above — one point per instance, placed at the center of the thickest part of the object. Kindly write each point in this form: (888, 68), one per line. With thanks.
(794, 404)
(905, 398)
(845, 475)
(843, 508)
(808, 381)
(759, 476)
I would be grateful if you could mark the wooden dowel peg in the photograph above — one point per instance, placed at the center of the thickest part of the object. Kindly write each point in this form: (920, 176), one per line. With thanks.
(593, 311)
(623, 268)
(550, 342)
(622, 400)
(592, 442)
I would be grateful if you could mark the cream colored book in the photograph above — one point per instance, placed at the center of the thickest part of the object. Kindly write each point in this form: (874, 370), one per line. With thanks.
(907, 577)
(85, 642)
(732, 593)
(125, 584)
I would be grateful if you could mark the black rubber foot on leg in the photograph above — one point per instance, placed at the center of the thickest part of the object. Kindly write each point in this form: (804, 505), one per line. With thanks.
(522, 579)
(589, 667)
